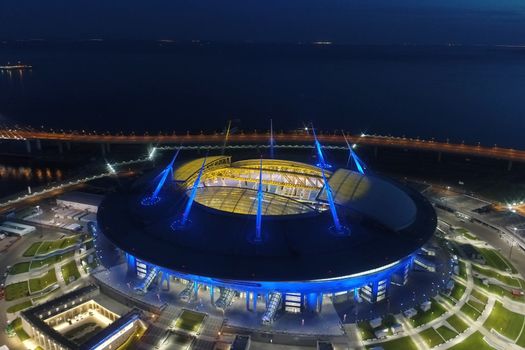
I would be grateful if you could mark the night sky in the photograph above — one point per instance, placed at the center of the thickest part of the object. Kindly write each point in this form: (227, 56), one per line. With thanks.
(344, 21)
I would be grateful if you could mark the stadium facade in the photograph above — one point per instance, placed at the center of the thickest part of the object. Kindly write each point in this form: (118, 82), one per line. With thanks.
(263, 230)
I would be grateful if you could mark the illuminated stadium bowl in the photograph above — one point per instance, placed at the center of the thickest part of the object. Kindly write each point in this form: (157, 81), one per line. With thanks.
(299, 257)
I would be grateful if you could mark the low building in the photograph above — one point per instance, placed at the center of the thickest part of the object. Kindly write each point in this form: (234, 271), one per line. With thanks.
(80, 201)
(410, 313)
(15, 228)
(425, 306)
(80, 320)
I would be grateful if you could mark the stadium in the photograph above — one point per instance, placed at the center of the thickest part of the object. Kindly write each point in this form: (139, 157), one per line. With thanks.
(275, 232)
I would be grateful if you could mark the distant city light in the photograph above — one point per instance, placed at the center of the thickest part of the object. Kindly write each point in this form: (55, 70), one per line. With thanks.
(111, 169)
(152, 153)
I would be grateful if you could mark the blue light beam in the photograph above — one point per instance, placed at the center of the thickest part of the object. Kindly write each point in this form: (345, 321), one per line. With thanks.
(193, 193)
(258, 220)
(337, 224)
(168, 170)
(360, 165)
(320, 155)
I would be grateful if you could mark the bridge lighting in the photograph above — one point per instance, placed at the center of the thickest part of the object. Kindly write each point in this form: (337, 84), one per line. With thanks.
(363, 134)
(354, 146)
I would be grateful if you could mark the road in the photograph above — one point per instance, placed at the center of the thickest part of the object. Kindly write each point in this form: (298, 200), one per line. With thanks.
(264, 138)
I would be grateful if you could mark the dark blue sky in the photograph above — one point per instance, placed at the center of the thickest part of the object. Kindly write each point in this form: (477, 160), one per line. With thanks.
(348, 21)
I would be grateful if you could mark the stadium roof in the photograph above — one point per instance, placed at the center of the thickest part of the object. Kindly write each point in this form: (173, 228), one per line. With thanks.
(240, 200)
(372, 196)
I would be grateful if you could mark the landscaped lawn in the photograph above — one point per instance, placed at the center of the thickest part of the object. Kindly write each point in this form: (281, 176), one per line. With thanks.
(38, 284)
(365, 330)
(475, 341)
(495, 259)
(16, 291)
(480, 296)
(17, 327)
(50, 246)
(70, 270)
(51, 260)
(462, 270)
(457, 291)
(405, 343)
(190, 321)
(510, 281)
(498, 290)
(465, 232)
(421, 318)
(446, 332)
(431, 337)
(19, 268)
(32, 249)
(458, 324)
(20, 306)
(470, 312)
(504, 321)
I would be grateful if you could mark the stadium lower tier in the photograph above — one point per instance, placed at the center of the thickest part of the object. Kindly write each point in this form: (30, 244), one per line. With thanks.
(293, 296)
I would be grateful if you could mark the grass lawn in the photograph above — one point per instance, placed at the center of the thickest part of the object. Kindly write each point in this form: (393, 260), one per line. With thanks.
(504, 321)
(20, 306)
(521, 340)
(465, 232)
(431, 337)
(70, 270)
(480, 296)
(457, 291)
(19, 268)
(421, 318)
(190, 321)
(449, 299)
(51, 260)
(446, 332)
(470, 311)
(498, 290)
(405, 343)
(495, 259)
(457, 323)
(462, 270)
(365, 330)
(31, 251)
(50, 246)
(475, 341)
(37, 284)
(510, 281)
(16, 291)
(17, 327)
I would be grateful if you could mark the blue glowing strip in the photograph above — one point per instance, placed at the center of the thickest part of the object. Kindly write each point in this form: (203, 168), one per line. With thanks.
(330, 196)
(165, 173)
(319, 150)
(357, 162)
(193, 193)
(258, 221)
